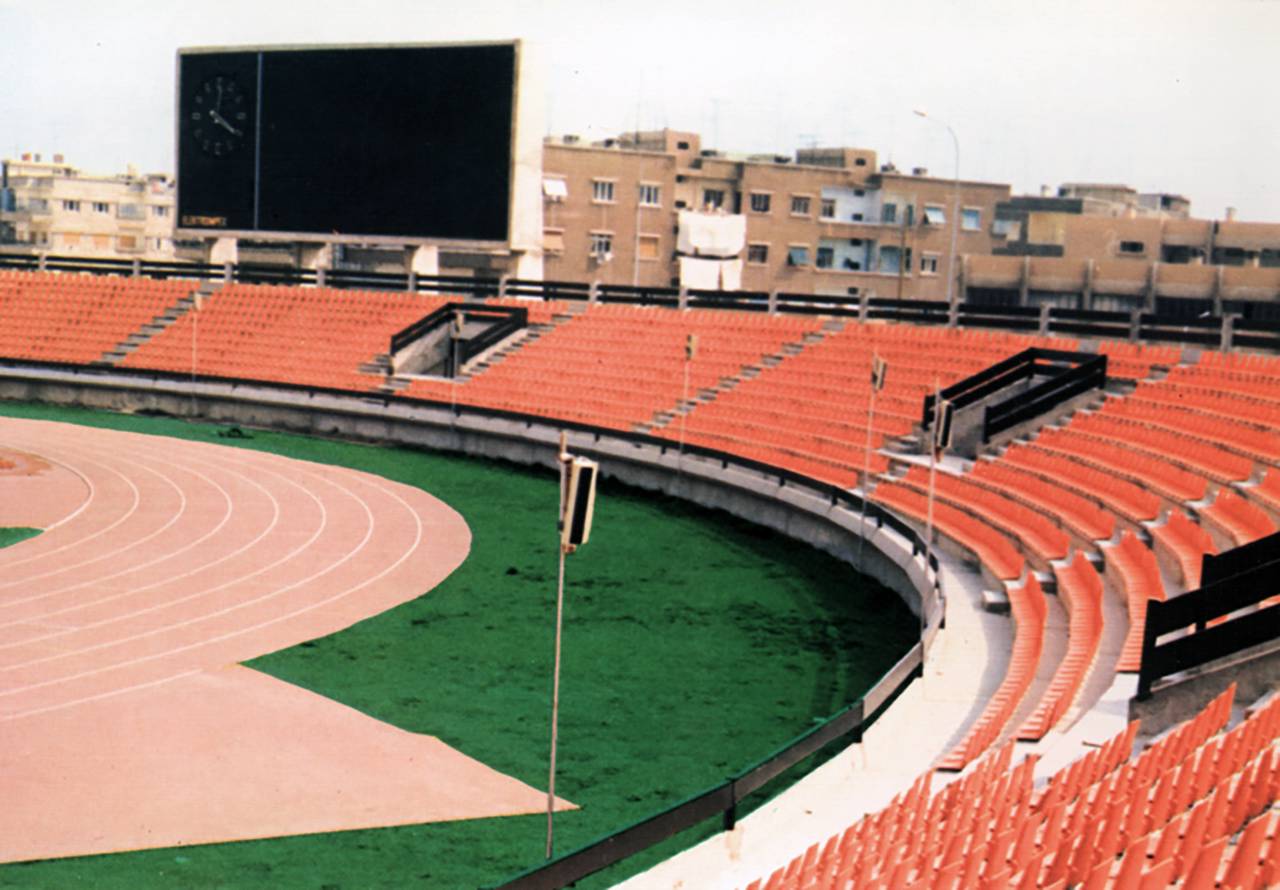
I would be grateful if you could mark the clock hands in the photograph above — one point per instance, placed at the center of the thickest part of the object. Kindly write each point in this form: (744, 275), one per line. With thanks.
(224, 123)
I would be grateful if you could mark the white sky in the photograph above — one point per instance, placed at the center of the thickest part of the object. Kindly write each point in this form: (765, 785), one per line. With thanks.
(1164, 95)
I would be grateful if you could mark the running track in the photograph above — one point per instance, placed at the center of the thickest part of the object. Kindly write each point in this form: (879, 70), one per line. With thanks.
(124, 721)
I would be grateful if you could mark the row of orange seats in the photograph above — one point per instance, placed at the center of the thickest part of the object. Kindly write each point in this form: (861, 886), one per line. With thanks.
(1030, 612)
(1080, 589)
(1251, 413)
(1135, 571)
(1224, 446)
(992, 549)
(1241, 520)
(1187, 543)
(1075, 511)
(1120, 497)
(1089, 443)
(1041, 537)
(1108, 820)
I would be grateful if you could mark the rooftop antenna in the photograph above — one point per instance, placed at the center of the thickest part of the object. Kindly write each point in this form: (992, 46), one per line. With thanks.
(715, 121)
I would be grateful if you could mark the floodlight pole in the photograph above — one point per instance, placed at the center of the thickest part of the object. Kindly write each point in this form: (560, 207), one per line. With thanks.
(195, 325)
(563, 458)
(866, 466)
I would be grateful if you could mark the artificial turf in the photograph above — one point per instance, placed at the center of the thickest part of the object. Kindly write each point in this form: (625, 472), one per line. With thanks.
(694, 644)
(16, 534)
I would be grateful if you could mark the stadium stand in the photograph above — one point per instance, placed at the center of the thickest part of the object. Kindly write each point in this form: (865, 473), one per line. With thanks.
(77, 318)
(312, 336)
(1112, 819)
(795, 392)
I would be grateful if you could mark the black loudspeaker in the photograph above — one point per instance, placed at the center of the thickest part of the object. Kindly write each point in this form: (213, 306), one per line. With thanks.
(942, 433)
(579, 502)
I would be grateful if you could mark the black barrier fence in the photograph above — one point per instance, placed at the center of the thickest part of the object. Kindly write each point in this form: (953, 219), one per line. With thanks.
(1204, 330)
(1222, 618)
(506, 321)
(1089, 373)
(723, 800)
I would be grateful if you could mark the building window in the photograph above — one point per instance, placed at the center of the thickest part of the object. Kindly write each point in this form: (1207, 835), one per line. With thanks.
(760, 202)
(553, 241)
(602, 244)
(101, 207)
(682, 145)
(758, 253)
(71, 239)
(828, 208)
(602, 191)
(127, 242)
(798, 255)
(860, 162)
(101, 242)
(934, 215)
(890, 260)
(1132, 247)
(647, 247)
(859, 193)
(713, 199)
(971, 219)
(889, 213)
(71, 206)
(929, 264)
(650, 195)
(160, 212)
(825, 257)
(800, 205)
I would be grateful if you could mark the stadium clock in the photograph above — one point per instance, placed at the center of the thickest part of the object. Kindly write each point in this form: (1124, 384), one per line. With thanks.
(219, 116)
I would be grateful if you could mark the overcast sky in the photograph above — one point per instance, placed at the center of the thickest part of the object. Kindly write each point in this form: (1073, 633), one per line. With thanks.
(1174, 95)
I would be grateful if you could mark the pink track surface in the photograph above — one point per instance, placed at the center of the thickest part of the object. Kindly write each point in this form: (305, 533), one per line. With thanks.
(124, 722)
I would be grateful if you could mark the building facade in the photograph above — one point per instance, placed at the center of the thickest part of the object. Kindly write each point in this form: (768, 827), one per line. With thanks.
(822, 221)
(51, 207)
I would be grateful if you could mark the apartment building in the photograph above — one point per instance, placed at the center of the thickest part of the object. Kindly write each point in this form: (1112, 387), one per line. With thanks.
(51, 207)
(1105, 247)
(822, 221)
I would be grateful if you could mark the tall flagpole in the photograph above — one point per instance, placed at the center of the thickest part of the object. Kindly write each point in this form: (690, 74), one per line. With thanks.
(555, 677)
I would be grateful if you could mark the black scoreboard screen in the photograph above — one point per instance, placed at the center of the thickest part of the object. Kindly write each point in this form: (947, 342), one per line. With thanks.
(410, 142)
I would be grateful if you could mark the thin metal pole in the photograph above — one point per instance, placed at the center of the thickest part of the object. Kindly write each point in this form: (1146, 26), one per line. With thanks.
(866, 467)
(555, 675)
(933, 468)
(684, 412)
(195, 325)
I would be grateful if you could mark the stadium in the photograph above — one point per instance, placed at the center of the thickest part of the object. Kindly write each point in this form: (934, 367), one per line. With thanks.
(877, 592)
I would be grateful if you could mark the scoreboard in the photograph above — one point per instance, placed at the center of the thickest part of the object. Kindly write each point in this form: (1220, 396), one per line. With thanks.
(365, 143)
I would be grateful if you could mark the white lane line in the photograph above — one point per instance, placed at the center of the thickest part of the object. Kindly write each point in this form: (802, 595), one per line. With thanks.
(370, 524)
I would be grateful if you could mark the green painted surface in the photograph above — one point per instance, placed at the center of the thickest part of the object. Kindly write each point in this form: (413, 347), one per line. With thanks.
(11, 536)
(694, 644)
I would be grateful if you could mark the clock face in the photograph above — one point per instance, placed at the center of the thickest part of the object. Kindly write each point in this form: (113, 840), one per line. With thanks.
(219, 116)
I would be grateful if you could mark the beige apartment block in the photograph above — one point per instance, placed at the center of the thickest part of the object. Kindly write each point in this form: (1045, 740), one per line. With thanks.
(50, 207)
(822, 221)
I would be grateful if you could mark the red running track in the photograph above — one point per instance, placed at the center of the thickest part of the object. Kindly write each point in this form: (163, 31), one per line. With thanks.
(124, 722)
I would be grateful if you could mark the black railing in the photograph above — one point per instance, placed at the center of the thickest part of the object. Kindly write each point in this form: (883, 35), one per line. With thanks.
(1089, 373)
(1202, 330)
(1239, 583)
(506, 321)
(724, 799)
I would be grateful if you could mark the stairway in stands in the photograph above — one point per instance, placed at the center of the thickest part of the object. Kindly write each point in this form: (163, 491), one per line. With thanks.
(666, 416)
(381, 363)
(158, 324)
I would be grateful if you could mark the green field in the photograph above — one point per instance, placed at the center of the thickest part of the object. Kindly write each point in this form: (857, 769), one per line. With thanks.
(694, 644)
(9, 536)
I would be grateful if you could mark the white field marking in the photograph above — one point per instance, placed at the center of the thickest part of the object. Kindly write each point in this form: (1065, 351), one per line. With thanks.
(370, 525)
(101, 695)
(228, 509)
(78, 510)
(275, 518)
(182, 508)
(79, 541)
(232, 634)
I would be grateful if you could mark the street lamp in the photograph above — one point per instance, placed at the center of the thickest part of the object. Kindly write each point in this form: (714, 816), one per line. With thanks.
(955, 219)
